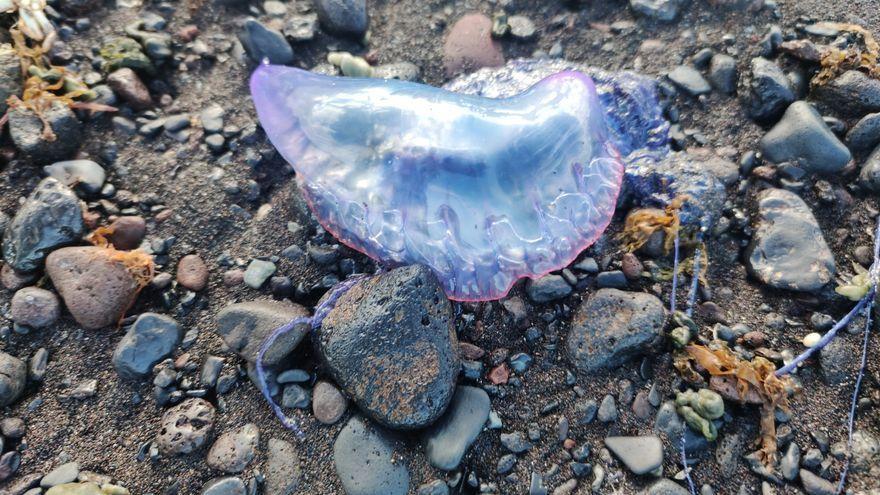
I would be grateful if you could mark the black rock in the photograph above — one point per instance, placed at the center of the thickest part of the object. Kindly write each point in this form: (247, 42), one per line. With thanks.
(391, 346)
(261, 42)
(770, 91)
(836, 361)
(865, 135)
(365, 460)
(51, 217)
(613, 326)
(548, 288)
(788, 250)
(852, 93)
(150, 339)
(802, 136)
(722, 73)
(869, 177)
(345, 17)
(29, 136)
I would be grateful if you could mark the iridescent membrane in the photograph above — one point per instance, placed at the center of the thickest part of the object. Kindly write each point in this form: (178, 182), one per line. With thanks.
(482, 190)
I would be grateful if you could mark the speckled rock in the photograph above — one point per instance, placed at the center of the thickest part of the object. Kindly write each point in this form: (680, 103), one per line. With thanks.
(35, 307)
(233, 450)
(612, 326)
(788, 250)
(128, 85)
(192, 272)
(328, 403)
(13, 376)
(185, 427)
(244, 327)
(51, 217)
(282, 468)
(390, 345)
(95, 289)
(127, 232)
(365, 460)
(469, 45)
(10, 75)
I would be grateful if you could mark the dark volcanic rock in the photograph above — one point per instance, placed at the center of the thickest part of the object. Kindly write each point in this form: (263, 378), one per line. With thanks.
(865, 134)
(548, 288)
(365, 460)
(853, 93)
(612, 326)
(869, 177)
(449, 438)
(261, 42)
(244, 327)
(723, 74)
(390, 345)
(50, 218)
(802, 136)
(150, 339)
(26, 131)
(96, 289)
(345, 17)
(770, 91)
(788, 250)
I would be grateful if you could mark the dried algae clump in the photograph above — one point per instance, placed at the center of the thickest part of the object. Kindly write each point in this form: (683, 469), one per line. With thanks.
(46, 85)
(641, 225)
(755, 377)
(861, 56)
(137, 262)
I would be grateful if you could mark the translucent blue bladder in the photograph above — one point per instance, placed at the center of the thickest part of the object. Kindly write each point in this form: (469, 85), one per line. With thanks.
(482, 190)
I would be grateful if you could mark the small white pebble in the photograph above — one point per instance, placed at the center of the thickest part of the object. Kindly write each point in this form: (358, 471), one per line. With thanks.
(811, 339)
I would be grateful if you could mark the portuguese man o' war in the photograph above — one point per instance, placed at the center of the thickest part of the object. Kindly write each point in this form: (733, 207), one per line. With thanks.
(507, 173)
